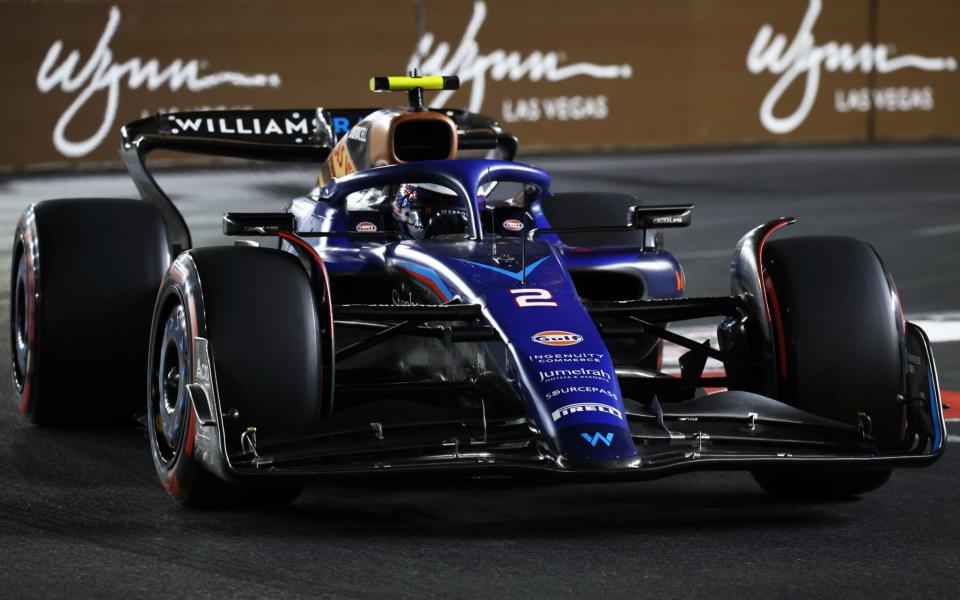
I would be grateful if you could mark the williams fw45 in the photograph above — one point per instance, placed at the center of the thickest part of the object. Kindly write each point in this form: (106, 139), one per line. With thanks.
(433, 307)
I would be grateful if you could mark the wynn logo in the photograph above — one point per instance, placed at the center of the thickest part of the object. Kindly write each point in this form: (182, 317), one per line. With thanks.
(101, 73)
(471, 65)
(804, 58)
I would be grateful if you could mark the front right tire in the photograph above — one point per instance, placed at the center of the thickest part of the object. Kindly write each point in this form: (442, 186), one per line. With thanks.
(255, 309)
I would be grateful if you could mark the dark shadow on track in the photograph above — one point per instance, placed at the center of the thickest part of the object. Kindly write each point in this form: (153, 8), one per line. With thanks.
(95, 462)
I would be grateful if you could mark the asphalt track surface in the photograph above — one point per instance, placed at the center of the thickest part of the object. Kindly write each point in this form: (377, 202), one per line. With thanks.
(82, 515)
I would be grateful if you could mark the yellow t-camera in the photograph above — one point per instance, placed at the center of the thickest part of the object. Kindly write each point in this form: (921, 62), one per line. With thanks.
(406, 84)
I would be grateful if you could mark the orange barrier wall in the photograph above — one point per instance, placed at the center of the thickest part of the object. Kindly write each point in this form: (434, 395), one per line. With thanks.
(562, 74)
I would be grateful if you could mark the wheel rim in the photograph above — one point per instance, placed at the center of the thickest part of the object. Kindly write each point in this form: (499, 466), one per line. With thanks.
(169, 378)
(20, 322)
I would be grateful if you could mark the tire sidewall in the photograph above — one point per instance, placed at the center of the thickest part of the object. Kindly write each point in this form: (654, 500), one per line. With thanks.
(25, 246)
(198, 475)
(178, 477)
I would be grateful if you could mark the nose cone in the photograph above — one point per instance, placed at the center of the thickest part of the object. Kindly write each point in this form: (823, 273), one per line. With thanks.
(563, 369)
(586, 414)
(573, 393)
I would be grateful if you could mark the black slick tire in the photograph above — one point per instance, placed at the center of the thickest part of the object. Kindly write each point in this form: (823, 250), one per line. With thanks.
(256, 310)
(84, 277)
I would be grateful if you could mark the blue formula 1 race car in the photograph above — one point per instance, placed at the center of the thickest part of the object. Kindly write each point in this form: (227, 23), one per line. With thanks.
(431, 308)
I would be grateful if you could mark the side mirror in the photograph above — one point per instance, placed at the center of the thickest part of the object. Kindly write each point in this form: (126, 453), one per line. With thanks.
(661, 216)
(257, 223)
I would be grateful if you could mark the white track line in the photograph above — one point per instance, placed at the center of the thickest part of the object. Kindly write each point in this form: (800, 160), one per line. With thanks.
(941, 327)
(948, 229)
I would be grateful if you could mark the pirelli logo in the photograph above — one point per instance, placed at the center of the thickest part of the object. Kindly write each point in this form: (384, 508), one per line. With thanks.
(585, 407)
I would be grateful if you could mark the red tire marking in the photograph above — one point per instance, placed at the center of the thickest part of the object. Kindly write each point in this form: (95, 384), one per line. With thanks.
(774, 306)
(763, 241)
(25, 397)
(191, 431)
(171, 482)
(293, 239)
(323, 269)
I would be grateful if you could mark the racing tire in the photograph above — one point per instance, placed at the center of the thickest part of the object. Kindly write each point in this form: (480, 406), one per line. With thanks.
(84, 277)
(813, 485)
(256, 310)
(838, 332)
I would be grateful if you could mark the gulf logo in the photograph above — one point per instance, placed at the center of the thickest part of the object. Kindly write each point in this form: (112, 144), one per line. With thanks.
(557, 338)
(366, 227)
(513, 225)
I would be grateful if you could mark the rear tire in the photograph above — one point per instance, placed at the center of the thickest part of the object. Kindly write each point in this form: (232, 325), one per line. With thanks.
(84, 278)
(255, 307)
(811, 485)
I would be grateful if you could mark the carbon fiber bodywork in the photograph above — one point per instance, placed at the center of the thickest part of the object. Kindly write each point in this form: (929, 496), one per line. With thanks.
(498, 349)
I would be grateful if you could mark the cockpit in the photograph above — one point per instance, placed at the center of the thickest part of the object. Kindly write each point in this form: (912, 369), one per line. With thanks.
(423, 211)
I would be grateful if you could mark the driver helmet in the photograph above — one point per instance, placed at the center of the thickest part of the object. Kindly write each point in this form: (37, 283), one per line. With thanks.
(423, 210)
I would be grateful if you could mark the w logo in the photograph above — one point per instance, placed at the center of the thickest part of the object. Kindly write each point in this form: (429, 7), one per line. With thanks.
(606, 439)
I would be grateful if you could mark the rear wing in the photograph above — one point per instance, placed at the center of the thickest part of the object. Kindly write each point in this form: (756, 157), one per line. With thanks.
(289, 135)
(294, 134)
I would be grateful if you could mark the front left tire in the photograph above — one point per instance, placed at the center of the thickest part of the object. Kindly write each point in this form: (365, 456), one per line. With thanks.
(838, 329)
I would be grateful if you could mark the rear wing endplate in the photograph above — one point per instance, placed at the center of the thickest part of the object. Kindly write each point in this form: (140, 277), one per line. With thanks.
(307, 134)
